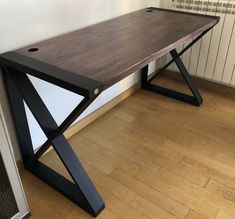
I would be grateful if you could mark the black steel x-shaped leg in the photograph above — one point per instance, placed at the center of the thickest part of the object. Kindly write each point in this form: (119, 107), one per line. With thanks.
(82, 191)
(196, 98)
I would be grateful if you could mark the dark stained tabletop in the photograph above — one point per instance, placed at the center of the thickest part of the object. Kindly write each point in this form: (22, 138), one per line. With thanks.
(109, 51)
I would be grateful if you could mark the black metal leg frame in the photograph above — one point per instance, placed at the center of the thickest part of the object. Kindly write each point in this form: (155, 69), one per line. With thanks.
(196, 98)
(82, 191)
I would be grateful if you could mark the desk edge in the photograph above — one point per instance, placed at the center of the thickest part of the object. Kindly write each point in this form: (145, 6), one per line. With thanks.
(52, 74)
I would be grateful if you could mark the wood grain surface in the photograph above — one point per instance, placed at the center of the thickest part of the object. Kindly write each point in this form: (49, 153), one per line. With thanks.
(109, 51)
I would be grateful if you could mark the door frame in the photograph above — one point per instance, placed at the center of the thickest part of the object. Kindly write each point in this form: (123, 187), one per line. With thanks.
(11, 169)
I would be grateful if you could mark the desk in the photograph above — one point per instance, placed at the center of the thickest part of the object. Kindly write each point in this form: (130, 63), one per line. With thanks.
(87, 62)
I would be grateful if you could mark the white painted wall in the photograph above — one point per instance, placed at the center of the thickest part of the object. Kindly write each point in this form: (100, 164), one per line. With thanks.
(23, 22)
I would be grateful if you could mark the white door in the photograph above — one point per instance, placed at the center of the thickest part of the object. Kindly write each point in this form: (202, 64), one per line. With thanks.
(12, 198)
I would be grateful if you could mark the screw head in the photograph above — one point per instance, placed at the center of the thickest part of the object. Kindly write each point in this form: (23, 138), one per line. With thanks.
(96, 91)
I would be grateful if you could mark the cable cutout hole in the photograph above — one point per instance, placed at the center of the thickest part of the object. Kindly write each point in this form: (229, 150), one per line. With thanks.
(33, 49)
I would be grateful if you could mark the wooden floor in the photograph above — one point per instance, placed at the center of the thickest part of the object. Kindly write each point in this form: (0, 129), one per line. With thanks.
(153, 157)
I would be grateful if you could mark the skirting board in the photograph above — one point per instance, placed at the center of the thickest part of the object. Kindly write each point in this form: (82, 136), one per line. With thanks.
(108, 106)
(101, 111)
(93, 116)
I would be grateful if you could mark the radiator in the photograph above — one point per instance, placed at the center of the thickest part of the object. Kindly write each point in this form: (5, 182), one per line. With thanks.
(213, 57)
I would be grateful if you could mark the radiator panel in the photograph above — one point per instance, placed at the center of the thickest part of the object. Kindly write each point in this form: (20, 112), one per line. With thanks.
(212, 57)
